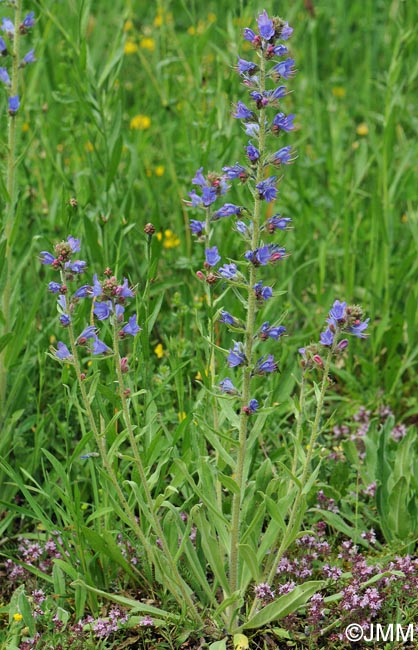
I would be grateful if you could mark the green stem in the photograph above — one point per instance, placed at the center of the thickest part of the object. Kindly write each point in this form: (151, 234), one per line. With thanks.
(294, 513)
(101, 445)
(183, 597)
(248, 348)
(212, 361)
(11, 191)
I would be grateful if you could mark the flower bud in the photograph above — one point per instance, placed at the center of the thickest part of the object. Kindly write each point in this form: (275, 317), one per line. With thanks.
(149, 229)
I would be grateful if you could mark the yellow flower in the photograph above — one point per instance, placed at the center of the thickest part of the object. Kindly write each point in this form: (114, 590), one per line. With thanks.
(404, 218)
(170, 239)
(191, 30)
(181, 416)
(130, 47)
(25, 127)
(159, 350)
(89, 146)
(158, 20)
(52, 339)
(128, 26)
(140, 122)
(199, 376)
(17, 617)
(362, 129)
(339, 92)
(147, 44)
(211, 17)
(159, 170)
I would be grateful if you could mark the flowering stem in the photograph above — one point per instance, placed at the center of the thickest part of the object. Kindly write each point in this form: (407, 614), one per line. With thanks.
(101, 445)
(248, 347)
(294, 513)
(11, 191)
(212, 363)
(183, 597)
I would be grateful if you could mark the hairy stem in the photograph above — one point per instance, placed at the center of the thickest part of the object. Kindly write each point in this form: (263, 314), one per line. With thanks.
(248, 347)
(294, 513)
(183, 596)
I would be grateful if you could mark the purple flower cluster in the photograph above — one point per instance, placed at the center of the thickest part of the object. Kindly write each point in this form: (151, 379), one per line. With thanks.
(8, 28)
(108, 295)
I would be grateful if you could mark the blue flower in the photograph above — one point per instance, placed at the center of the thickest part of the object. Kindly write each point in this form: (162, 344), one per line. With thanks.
(242, 112)
(227, 318)
(62, 302)
(327, 337)
(252, 130)
(123, 290)
(262, 292)
(196, 199)
(54, 287)
(119, 312)
(261, 256)
(277, 222)
(252, 152)
(253, 406)
(285, 69)
(14, 104)
(97, 287)
(132, 328)
(236, 171)
(227, 210)
(265, 26)
(4, 76)
(236, 357)
(283, 122)
(212, 256)
(209, 196)
(278, 93)
(228, 271)
(28, 58)
(74, 244)
(62, 351)
(197, 227)
(271, 332)
(337, 314)
(249, 35)
(358, 328)
(78, 266)
(286, 32)
(87, 333)
(241, 227)
(264, 365)
(227, 386)
(102, 310)
(28, 21)
(267, 190)
(283, 156)
(280, 50)
(83, 291)
(99, 347)
(65, 320)
(199, 179)
(246, 67)
(3, 47)
(7, 26)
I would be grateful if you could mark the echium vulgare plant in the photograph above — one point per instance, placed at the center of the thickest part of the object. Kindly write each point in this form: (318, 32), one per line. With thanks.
(12, 31)
(265, 124)
(109, 303)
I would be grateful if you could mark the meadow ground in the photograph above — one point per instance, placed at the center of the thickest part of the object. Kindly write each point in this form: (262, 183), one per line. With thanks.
(125, 101)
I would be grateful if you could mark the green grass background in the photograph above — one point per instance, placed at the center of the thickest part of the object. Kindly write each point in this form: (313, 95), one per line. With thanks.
(351, 192)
